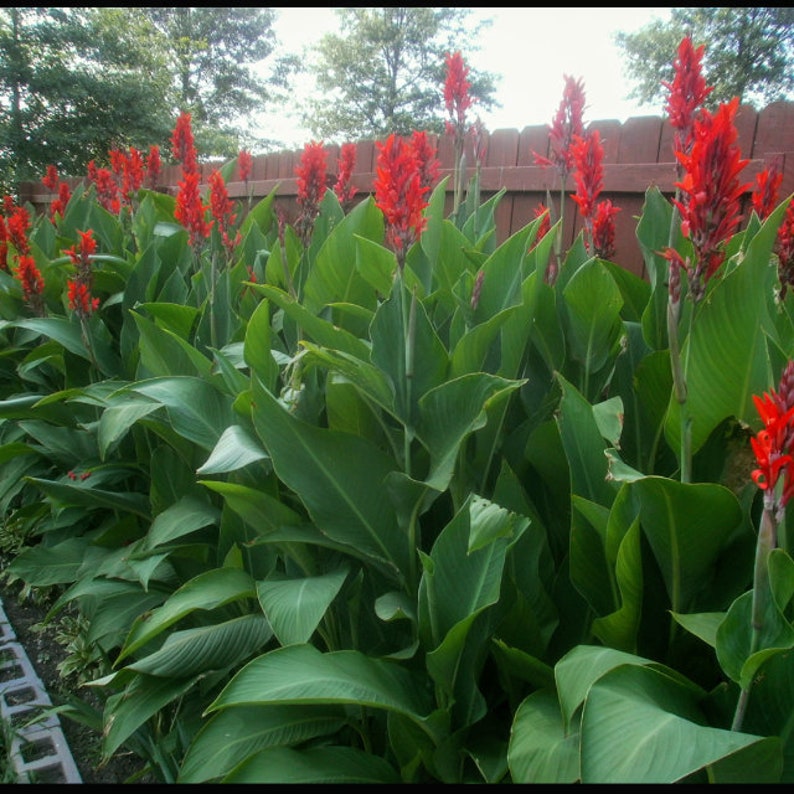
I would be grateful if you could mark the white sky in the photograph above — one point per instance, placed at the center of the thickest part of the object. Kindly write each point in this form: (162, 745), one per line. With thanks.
(531, 48)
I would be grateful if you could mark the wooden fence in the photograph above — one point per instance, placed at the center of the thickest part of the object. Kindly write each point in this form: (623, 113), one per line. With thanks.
(638, 153)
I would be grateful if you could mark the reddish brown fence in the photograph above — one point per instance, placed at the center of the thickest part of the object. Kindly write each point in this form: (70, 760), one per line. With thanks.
(637, 154)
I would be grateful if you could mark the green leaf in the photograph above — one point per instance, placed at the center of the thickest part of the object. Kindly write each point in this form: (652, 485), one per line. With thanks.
(83, 494)
(235, 449)
(303, 674)
(200, 650)
(116, 420)
(206, 591)
(540, 750)
(631, 709)
(197, 410)
(327, 764)
(181, 518)
(234, 734)
(258, 509)
(295, 607)
(339, 477)
(451, 412)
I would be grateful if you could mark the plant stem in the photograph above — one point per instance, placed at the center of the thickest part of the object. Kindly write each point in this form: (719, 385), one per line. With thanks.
(767, 539)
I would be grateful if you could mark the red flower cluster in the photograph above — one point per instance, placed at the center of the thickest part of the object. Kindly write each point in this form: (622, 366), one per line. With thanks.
(312, 184)
(347, 161)
(568, 123)
(599, 218)
(3, 244)
(428, 164)
(79, 288)
(399, 193)
(18, 224)
(710, 207)
(190, 211)
(687, 93)
(764, 197)
(30, 278)
(456, 93)
(772, 445)
(107, 189)
(183, 148)
(53, 183)
(222, 211)
(245, 165)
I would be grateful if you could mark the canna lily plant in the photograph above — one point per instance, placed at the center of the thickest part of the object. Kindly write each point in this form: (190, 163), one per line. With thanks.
(369, 497)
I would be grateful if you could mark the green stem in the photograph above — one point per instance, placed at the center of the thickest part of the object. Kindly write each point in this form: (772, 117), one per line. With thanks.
(409, 324)
(767, 538)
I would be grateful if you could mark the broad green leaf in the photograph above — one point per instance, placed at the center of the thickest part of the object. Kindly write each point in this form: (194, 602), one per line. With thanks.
(376, 264)
(326, 764)
(540, 750)
(339, 477)
(639, 726)
(302, 674)
(256, 350)
(197, 651)
(584, 446)
(235, 449)
(234, 734)
(687, 526)
(321, 331)
(726, 354)
(295, 607)
(42, 566)
(592, 304)
(83, 494)
(144, 697)
(174, 317)
(701, 624)
(258, 509)
(181, 518)
(116, 420)
(165, 353)
(451, 412)
(207, 591)
(197, 410)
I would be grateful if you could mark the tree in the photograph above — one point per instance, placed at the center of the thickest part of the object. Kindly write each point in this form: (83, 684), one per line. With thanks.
(71, 87)
(385, 73)
(216, 60)
(749, 53)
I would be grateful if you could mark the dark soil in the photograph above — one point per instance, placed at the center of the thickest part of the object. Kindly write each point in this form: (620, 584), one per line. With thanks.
(45, 654)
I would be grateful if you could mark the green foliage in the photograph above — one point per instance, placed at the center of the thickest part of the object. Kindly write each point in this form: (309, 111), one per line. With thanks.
(382, 74)
(749, 53)
(337, 522)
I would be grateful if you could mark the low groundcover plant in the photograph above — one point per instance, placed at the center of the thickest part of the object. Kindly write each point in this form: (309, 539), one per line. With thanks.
(372, 496)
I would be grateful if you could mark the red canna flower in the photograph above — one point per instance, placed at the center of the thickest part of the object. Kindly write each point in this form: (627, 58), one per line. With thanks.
(222, 211)
(30, 278)
(687, 93)
(347, 161)
(426, 160)
(711, 192)
(587, 153)
(18, 224)
(190, 211)
(132, 174)
(604, 229)
(153, 166)
(784, 248)
(567, 125)
(50, 180)
(764, 197)
(245, 165)
(399, 194)
(3, 244)
(79, 288)
(58, 206)
(182, 146)
(312, 184)
(107, 189)
(80, 300)
(456, 93)
(542, 211)
(770, 445)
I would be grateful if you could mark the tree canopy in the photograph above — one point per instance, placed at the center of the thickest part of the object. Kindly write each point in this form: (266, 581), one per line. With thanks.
(749, 53)
(385, 73)
(76, 82)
